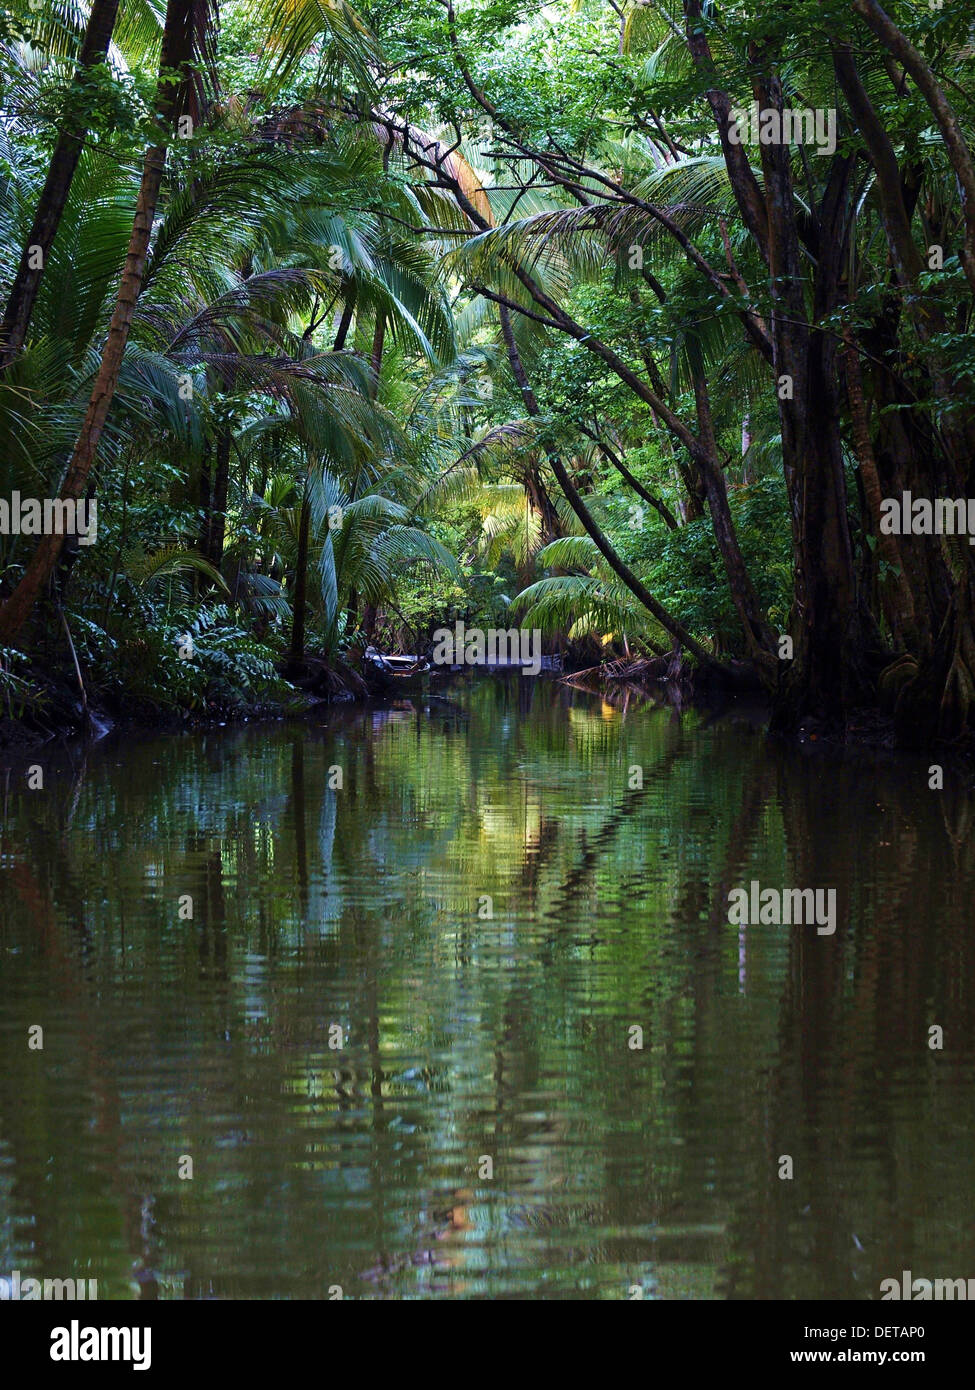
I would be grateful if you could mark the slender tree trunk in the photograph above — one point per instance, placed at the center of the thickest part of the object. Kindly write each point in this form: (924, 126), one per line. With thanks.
(897, 192)
(345, 320)
(57, 186)
(352, 612)
(638, 590)
(206, 499)
(376, 356)
(895, 593)
(958, 152)
(659, 506)
(760, 638)
(748, 194)
(176, 50)
(217, 525)
(541, 504)
(299, 608)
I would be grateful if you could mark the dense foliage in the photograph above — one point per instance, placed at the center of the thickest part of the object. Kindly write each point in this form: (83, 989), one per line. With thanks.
(356, 322)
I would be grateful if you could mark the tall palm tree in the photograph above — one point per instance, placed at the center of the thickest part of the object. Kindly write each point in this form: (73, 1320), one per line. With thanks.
(186, 50)
(181, 46)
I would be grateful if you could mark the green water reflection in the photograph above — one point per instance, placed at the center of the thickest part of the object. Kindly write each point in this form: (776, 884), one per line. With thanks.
(467, 1036)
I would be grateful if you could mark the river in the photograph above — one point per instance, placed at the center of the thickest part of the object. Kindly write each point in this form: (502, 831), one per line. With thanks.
(444, 1001)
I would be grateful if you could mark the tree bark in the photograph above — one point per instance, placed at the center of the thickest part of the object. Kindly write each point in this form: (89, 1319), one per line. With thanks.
(57, 186)
(638, 590)
(296, 653)
(217, 523)
(176, 51)
(760, 638)
(895, 592)
(958, 152)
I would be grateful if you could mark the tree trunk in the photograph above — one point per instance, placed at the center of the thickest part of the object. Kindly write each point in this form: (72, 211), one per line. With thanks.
(176, 51)
(659, 506)
(896, 597)
(299, 608)
(638, 590)
(217, 520)
(57, 186)
(206, 502)
(376, 356)
(760, 638)
(296, 653)
(958, 152)
(826, 677)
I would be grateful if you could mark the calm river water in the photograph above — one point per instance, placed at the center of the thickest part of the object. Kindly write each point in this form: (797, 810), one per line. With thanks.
(390, 1025)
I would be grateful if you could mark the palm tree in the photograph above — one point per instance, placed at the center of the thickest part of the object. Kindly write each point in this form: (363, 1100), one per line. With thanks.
(54, 194)
(186, 49)
(177, 80)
